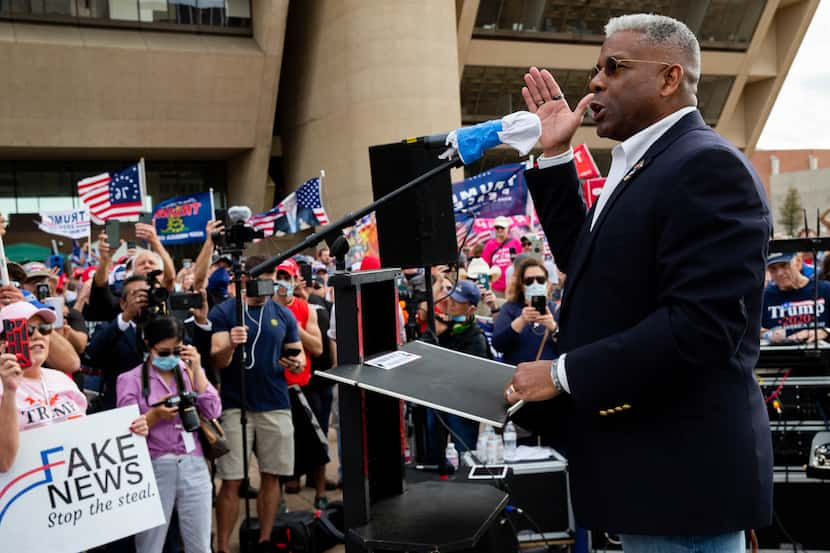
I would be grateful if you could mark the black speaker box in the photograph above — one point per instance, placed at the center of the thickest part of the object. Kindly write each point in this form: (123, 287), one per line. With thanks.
(417, 228)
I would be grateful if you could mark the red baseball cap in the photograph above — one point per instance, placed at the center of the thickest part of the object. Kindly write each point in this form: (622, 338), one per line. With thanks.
(289, 266)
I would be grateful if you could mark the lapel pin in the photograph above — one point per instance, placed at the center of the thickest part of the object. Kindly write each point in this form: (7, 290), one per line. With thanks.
(634, 170)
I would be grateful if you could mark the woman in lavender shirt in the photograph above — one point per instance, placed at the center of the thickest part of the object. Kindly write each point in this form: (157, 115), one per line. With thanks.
(178, 461)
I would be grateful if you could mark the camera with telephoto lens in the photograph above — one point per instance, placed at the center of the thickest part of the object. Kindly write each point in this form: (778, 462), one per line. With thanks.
(157, 296)
(186, 403)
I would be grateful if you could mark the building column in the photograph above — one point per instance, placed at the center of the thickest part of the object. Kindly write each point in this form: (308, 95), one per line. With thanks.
(359, 73)
(248, 182)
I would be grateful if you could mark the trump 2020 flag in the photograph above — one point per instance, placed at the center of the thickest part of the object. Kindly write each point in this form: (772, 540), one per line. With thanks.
(182, 220)
(310, 212)
(279, 220)
(71, 224)
(116, 195)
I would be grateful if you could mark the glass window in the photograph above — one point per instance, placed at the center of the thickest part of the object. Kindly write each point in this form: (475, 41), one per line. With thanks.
(155, 11)
(98, 9)
(124, 10)
(718, 24)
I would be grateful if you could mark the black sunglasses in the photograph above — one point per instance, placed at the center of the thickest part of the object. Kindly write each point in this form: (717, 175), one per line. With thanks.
(45, 329)
(612, 64)
(539, 279)
(169, 352)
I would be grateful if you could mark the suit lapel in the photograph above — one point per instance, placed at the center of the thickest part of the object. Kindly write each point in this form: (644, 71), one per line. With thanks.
(587, 236)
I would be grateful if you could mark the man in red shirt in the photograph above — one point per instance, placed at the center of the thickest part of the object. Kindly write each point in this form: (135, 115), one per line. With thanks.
(288, 276)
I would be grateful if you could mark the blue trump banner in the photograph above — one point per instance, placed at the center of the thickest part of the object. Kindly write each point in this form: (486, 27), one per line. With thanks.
(499, 191)
(182, 219)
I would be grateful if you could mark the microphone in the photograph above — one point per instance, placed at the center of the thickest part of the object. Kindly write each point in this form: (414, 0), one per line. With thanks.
(239, 213)
(431, 141)
(521, 131)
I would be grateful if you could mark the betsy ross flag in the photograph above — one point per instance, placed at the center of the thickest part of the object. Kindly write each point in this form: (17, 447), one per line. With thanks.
(310, 212)
(116, 195)
(279, 220)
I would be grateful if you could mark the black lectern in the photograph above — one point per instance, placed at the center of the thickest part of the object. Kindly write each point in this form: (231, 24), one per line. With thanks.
(382, 513)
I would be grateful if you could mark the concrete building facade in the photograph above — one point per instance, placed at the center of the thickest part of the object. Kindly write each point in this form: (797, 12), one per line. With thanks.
(252, 97)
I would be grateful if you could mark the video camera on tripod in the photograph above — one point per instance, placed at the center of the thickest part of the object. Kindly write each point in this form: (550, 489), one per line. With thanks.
(237, 233)
(233, 240)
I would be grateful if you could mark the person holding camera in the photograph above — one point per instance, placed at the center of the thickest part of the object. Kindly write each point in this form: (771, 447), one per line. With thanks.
(268, 335)
(35, 396)
(172, 392)
(525, 329)
(103, 305)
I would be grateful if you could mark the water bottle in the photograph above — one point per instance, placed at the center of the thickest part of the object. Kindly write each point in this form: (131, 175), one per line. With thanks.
(499, 451)
(492, 449)
(510, 439)
(452, 455)
(481, 446)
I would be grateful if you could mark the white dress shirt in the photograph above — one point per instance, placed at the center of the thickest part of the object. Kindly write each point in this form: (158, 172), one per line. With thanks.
(623, 157)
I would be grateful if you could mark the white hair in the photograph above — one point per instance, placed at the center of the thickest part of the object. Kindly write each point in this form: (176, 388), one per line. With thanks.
(142, 252)
(660, 31)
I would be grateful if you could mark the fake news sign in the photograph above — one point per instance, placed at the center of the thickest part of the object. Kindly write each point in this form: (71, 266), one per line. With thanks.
(78, 484)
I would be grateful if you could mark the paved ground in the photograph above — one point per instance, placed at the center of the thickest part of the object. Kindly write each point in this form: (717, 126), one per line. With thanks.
(303, 501)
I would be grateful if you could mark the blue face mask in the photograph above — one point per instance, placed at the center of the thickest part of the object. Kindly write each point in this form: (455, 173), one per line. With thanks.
(459, 318)
(166, 363)
(289, 289)
(536, 289)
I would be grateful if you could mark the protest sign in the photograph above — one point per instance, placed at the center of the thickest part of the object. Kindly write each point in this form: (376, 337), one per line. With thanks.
(591, 189)
(78, 484)
(586, 168)
(72, 224)
(182, 220)
(499, 191)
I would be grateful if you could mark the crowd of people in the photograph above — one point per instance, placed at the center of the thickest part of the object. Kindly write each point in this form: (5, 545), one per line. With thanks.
(107, 343)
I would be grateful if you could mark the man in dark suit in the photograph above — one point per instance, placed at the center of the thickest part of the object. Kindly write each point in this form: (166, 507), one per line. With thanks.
(669, 437)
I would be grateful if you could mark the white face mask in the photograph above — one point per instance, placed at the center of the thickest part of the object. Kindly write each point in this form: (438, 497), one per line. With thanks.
(535, 289)
(177, 286)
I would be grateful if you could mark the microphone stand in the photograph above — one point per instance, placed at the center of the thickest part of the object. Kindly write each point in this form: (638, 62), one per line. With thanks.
(332, 230)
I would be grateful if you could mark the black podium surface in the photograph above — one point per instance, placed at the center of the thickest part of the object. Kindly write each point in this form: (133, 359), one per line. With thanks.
(432, 516)
(452, 382)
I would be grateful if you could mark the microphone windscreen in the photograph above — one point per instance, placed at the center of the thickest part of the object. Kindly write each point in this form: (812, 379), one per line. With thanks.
(239, 213)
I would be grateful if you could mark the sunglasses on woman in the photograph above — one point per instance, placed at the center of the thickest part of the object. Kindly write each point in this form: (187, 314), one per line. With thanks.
(45, 329)
(538, 279)
(612, 64)
(169, 352)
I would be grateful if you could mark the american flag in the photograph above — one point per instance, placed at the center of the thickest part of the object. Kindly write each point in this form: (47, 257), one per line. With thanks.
(116, 195)
(464, 231)
(276, 220)
(308, 198)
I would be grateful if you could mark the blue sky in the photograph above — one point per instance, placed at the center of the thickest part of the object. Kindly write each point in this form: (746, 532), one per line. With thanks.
(801, 115)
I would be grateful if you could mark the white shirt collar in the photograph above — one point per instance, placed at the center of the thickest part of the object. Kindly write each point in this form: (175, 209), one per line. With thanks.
(636, 146)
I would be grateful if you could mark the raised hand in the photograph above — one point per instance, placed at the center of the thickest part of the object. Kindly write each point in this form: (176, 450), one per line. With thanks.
(544, 98)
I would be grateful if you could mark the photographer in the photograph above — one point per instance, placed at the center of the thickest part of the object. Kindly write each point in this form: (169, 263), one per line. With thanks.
(269, 330)
(36, 396)
(103, 305)
(522, 332)
(164, 387)
(43, 283)
(62, 355)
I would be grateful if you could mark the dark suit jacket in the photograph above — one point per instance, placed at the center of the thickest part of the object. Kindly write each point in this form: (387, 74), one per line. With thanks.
(660, 319)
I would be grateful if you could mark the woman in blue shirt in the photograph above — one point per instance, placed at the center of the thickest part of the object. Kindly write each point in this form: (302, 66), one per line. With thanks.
(520, 330)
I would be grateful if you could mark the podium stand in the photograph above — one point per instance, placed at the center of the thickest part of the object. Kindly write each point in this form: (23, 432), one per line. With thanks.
(382, 513)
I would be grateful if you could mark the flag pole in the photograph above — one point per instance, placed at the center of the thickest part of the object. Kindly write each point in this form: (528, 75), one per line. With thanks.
(142, 181)
(212, 207)
(4, 269)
